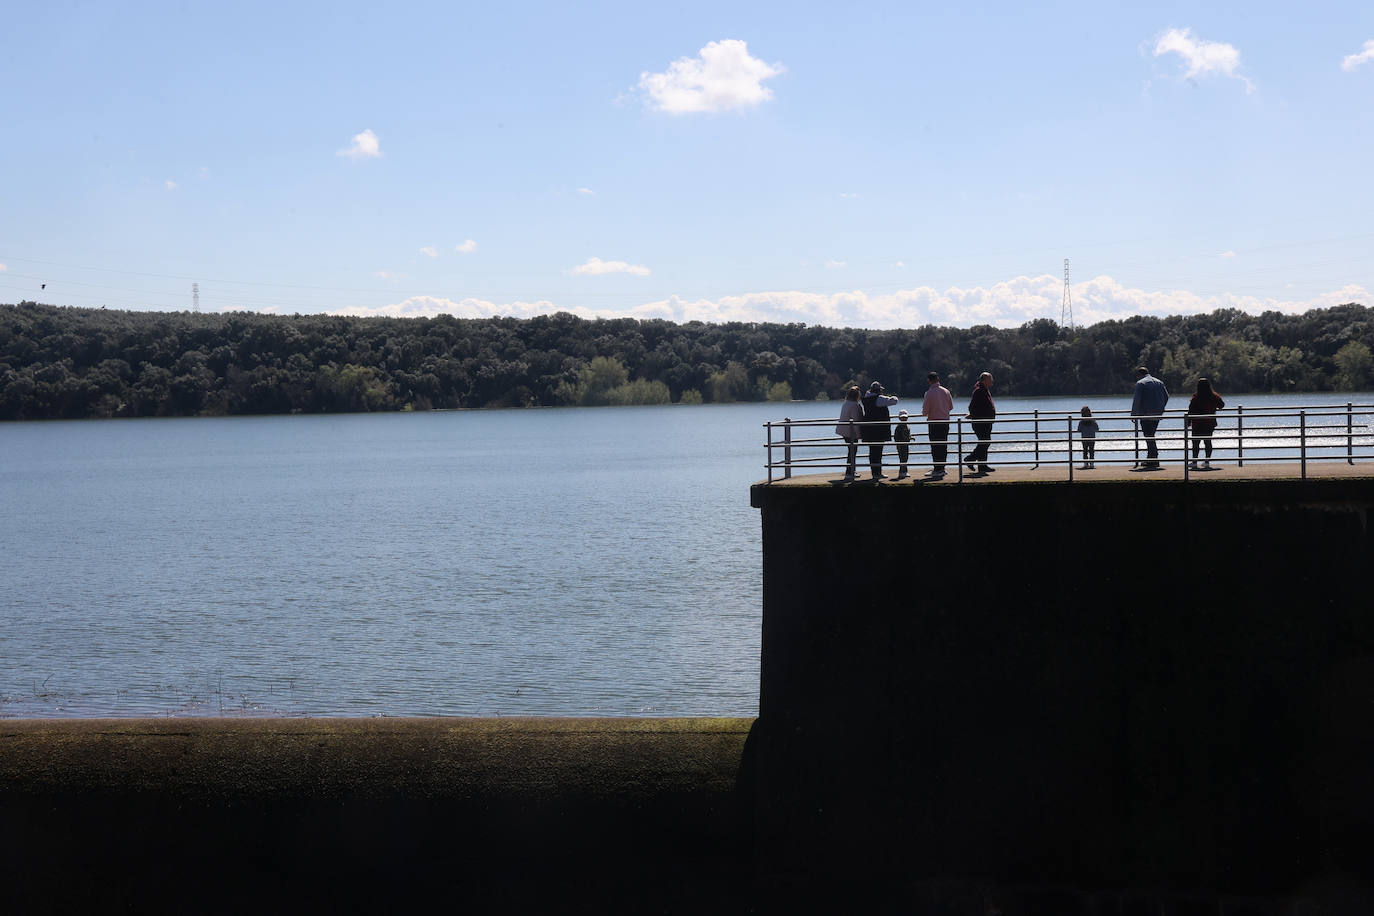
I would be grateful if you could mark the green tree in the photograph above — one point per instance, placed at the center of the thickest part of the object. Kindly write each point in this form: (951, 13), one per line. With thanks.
(1353, 363)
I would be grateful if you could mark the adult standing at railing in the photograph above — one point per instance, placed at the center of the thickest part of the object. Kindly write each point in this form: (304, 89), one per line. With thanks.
(877, 428)
(1148, 408)
(981, 407)
(1202, 418)
(848, 427)
(936, 408)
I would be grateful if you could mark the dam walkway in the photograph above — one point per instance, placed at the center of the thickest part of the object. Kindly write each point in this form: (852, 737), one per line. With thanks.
(1292, 442)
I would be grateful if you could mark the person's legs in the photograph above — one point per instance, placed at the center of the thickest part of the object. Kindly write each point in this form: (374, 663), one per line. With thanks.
(980, 454)
(939, 445)
(875, 458)
(853, 445)
(1089, 447)
(1147, 429)
(903, 452)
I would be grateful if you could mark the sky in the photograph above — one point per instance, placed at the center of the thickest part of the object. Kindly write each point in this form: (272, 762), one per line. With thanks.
(879, 166)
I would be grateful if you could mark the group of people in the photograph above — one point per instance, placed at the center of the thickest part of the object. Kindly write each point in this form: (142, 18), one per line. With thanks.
(864, 416)
(871, 410)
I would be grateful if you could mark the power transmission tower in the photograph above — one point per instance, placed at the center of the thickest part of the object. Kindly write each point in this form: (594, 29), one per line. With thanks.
(1066, 310)
(195, 296)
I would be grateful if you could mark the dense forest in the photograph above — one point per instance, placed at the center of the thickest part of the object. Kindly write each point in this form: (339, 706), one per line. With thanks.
(75, 362)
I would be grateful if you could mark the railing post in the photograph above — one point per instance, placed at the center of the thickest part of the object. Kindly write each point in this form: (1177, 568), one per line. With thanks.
(1135, 432)
(1240, 435)
(959, 453)
(1349, 433)
(1068, 419)
(1302, 440)
(769, 427)
(1037, 440)
(1186, 465)
(787, 448)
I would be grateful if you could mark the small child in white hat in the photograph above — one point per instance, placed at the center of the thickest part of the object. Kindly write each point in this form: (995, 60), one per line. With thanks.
(901, 435)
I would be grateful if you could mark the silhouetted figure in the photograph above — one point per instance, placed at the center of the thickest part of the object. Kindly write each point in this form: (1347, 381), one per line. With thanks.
(901, 435)
(1202, 417)
(981, 407)
(876, 430)
(1087, 431)
(936, 408)
(1148, 409)
(850, 415)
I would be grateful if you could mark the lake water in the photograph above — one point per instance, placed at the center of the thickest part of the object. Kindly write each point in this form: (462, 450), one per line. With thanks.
(570, 561)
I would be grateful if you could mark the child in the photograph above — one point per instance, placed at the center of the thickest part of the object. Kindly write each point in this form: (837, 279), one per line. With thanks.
(1087, 431)
(901, 434)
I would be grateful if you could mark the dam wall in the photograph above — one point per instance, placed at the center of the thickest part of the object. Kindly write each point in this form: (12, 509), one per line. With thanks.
(1111, 684)
(1107, 697)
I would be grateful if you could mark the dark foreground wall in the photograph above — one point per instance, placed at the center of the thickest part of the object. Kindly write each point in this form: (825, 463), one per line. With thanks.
(1111, 685)
(372, 815)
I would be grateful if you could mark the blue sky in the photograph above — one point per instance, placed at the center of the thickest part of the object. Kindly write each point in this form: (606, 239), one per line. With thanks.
(890, 165)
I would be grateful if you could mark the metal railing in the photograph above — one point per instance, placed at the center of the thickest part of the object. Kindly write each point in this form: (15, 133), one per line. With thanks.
(1303, 434)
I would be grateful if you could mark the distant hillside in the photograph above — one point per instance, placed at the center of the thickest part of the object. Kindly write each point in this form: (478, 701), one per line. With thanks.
(71, 362)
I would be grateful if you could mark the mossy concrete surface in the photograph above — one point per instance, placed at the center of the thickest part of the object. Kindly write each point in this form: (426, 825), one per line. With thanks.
(195, 815)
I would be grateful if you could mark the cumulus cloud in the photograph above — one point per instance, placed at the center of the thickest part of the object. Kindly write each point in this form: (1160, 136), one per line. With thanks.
(171, 185)
(595, 267)
(430, 251)
(365, 145)
(1006, 304)
(1354, 60)
(466, 247)
(722, 77)
(1202, 58)
(836, 265)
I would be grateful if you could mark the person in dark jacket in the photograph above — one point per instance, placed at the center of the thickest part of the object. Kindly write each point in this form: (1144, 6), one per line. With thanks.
(981, 407)
(1148, 408)
(877, 427)
(1202, 419)
(901, 435)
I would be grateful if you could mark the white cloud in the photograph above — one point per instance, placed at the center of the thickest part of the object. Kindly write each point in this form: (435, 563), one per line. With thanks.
(467, 247)
(585, 191)
(899, 264)
(430, 251)
(1007, 304)
(722, 77)
(595, 267)
(1354, 60)
(1202, 57)
(387, 274)
(171, 185)
(846, 195)
(365, 145)
(836, 265)
(1227, 254)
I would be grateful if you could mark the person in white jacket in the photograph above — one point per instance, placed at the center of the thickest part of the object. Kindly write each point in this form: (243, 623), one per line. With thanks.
(848, 428)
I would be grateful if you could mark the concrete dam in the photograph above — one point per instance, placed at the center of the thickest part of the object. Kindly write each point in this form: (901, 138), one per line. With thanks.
(1019, 696)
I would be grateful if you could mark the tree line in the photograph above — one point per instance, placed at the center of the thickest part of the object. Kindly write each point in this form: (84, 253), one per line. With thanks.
(58, 362)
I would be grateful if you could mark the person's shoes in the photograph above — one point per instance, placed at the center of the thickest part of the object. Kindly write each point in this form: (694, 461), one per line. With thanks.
(901, 474)
(849, 478)
(1150, 465)
(880, 476)
(1192, 466)
(973, 468)
(985, 469)
(1207, 465)
(1085, 467)
(1089, 465)
(937, 474)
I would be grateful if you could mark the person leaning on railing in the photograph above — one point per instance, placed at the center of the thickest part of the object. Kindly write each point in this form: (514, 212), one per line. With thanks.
(981, 407)
(1202, 418)
(876, 428)
(847, 429)
(936, 408)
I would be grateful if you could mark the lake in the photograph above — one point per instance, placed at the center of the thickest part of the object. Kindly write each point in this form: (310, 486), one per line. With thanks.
(572, 561)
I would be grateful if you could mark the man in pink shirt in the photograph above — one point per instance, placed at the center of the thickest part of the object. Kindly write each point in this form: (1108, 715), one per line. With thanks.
(936, 408)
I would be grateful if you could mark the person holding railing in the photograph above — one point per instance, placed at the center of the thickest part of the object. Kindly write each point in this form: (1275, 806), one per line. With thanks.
(936, 408)
(848, 428)
(1148, 409)
(1202, 418)
(877, 427)
(981, 407)
(1087, 433)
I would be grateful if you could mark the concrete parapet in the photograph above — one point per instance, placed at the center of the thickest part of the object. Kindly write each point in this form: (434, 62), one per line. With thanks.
(1113, 686)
